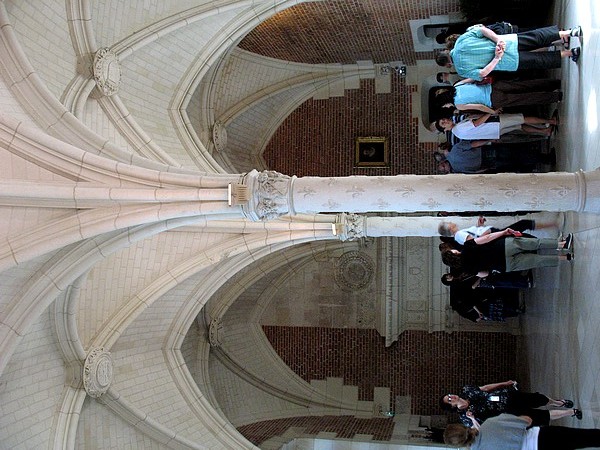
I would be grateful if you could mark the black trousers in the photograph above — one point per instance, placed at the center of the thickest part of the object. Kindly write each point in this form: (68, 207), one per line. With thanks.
(565, 438)
(508, 158)
(523, 403)
(525, 92)
(534, 39)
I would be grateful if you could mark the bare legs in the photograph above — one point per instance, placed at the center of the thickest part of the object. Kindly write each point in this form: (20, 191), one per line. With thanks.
(565, 37)
(560, 413)
(529, 120)
(566, 53)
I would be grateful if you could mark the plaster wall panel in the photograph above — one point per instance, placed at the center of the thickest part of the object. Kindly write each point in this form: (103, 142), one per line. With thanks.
(31, 387)
(13, 220)
(190, 345)
(43, 33)
(19, 218)
(313, 297)
(112, 283)
(151, 75)
(142, 375)
(99, 428)
(244, 403)
(10, 105)
(12, 281)
(96, 120)
(150, 327)
(240, 341)
(13, 166)
(195, 111)
(249, 131)
(116, 19)
(246, 73)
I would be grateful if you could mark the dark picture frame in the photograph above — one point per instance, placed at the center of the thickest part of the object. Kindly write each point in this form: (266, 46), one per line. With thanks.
(371, 151)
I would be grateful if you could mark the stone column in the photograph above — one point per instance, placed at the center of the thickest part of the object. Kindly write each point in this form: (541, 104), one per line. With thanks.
(354, 226)
(272, 194)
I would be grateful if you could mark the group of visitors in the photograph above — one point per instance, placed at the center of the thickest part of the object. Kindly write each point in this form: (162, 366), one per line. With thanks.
(499, 416)
(471, 112)
(489, 265)
(494, 69)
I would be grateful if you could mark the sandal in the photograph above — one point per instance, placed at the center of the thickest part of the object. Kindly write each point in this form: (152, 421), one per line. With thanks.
(575, 53)
(576, 32)
(566, 403)
(568, 244)
(577, 413)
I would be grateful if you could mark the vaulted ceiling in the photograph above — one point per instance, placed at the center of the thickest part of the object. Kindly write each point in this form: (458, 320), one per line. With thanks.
(95, 261)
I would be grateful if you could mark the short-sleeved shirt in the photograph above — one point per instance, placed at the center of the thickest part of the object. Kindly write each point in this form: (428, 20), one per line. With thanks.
(473, 93)
(464, 158)
(473, 51)
(483, 404)
(505, 432)
(490, 256)
(461, 236)
(487, 130)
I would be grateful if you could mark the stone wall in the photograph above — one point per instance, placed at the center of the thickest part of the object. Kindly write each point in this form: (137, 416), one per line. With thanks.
(421, 365)
(318, 138)
(320, 32)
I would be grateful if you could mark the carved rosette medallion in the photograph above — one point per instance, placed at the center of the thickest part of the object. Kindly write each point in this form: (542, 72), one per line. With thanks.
(215, 332)
(107, 71)
(351, 226)
(219, 136)
(354, 270)
(269, 195)
(97, 372)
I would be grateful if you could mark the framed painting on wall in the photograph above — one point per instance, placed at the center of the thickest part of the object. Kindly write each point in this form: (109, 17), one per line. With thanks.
(371, 151)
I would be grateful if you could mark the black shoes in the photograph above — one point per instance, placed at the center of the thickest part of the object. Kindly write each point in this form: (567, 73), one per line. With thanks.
(567, 403)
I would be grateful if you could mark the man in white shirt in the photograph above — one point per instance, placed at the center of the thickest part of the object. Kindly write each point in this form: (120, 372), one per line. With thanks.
(449, 229)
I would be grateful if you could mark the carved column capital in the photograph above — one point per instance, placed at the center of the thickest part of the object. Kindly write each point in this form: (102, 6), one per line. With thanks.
(269, 193)
(97, 372)
(350, 227)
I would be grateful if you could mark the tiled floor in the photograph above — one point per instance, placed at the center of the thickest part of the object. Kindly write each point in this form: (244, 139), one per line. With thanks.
(562, 323)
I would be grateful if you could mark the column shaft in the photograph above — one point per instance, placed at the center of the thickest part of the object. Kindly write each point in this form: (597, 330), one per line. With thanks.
(427, 193)
(354, 226)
